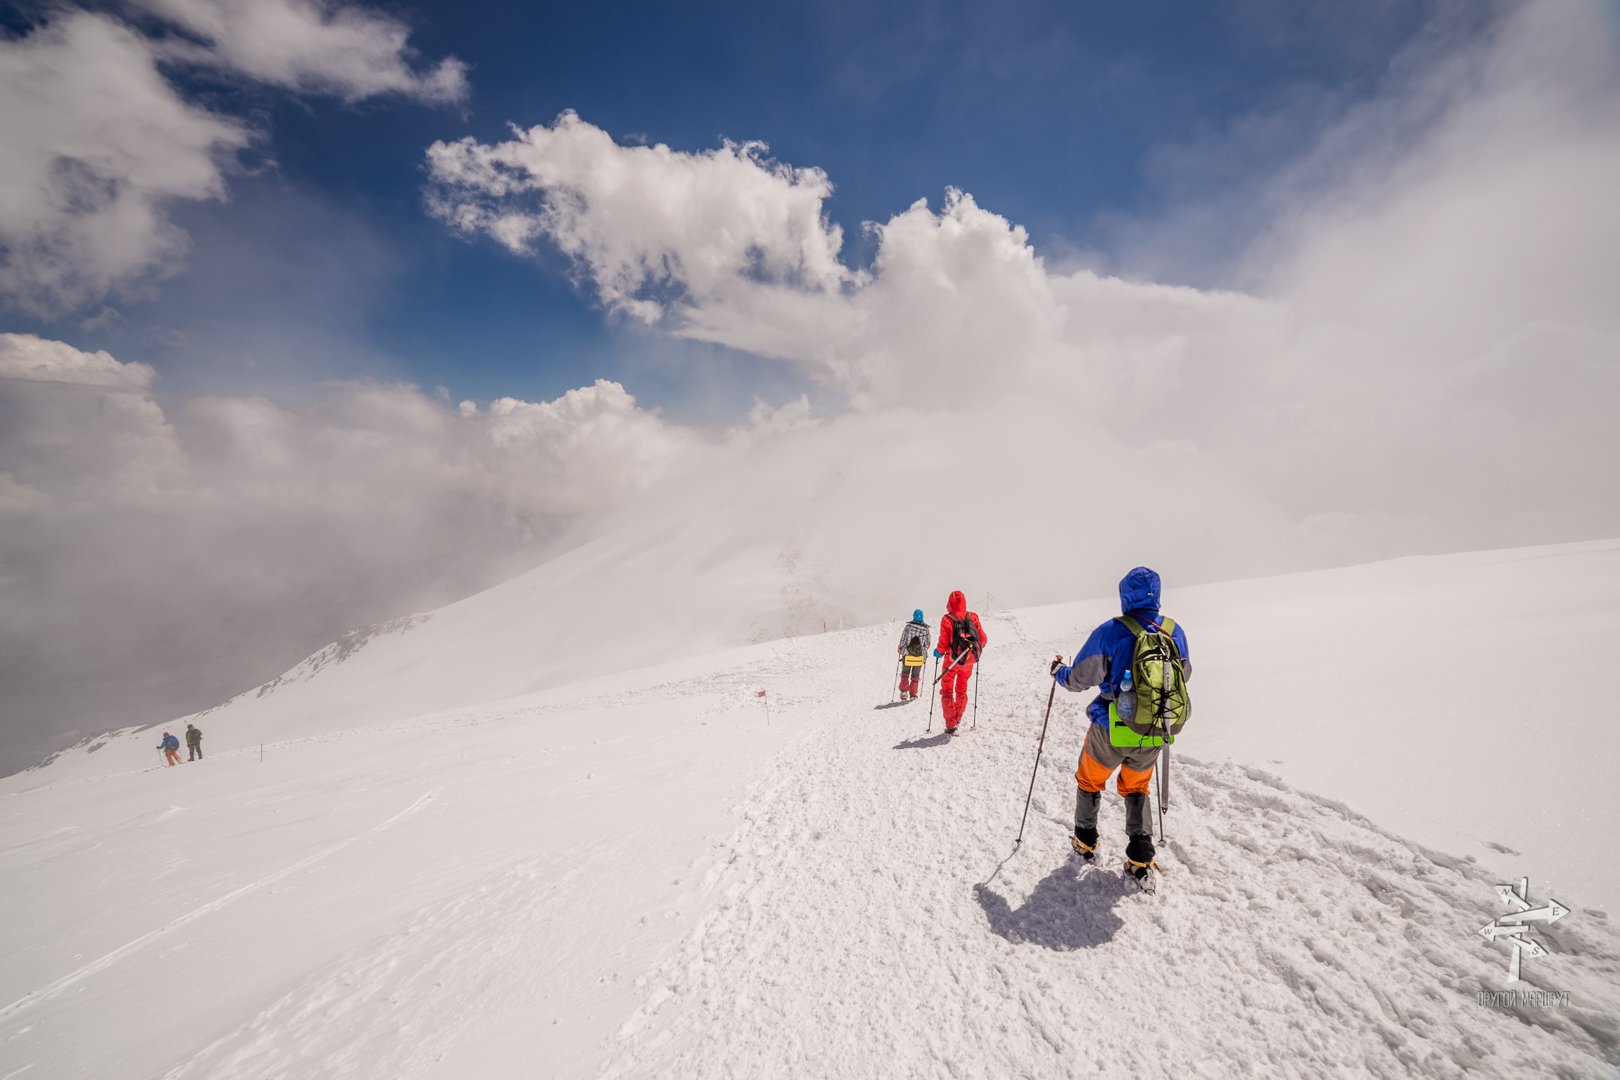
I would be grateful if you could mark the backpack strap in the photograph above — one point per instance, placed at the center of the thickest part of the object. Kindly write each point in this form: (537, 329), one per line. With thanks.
(1130, 624)
(1166, 624)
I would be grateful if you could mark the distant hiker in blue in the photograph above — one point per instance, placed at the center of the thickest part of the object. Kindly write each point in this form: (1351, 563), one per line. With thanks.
(914, 642)
(171, 749)
(1138, 663)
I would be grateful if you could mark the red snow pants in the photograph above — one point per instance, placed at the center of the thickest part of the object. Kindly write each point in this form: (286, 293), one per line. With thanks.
(953, 692)
(910, 679)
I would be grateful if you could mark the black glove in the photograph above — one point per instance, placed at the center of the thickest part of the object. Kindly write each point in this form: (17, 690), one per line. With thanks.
(1056, 663)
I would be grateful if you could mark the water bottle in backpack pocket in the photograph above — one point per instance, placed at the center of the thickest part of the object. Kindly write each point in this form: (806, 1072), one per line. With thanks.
(1125, 698)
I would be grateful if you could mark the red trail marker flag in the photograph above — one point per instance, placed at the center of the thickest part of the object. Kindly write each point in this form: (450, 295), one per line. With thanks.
(765, 702)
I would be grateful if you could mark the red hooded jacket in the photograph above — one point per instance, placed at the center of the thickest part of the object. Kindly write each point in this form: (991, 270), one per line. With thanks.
(956, 608)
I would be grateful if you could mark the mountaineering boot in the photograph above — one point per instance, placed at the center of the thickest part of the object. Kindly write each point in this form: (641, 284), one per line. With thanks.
(1084, 843)
(1139, 856)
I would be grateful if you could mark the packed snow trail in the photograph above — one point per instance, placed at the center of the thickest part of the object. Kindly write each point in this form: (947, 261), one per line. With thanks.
(872, 922)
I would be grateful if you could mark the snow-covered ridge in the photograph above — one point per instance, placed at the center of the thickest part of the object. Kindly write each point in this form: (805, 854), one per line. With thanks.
(335, 653)
(1367, 714)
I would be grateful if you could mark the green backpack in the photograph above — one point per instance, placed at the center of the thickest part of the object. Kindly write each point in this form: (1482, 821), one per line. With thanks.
(1159, 674)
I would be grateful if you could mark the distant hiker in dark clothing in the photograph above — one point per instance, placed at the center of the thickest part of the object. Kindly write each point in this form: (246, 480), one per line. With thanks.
(1138, 662)
(171, 749)
(961, 640)
(193, 741)
(913, 648)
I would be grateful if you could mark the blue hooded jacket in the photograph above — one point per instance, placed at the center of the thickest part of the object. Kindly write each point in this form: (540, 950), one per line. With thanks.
(1105, 657)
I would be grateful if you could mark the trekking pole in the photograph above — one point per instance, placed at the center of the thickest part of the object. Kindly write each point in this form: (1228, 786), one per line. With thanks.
(931, 688)
(899, 666)
(1165, 738)
(1164, 786)
(1038, 748)
(976, 683)
(956, 661)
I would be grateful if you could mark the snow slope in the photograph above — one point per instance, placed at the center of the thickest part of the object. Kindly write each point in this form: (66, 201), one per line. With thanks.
(383, 902)
(640, 876)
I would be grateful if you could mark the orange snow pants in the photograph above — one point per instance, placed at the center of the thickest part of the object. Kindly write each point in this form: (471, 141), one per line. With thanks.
(1099, 758)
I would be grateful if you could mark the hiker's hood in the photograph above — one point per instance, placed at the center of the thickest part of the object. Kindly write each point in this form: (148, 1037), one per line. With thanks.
(1139, 591)
(957, 604)
(917, 616)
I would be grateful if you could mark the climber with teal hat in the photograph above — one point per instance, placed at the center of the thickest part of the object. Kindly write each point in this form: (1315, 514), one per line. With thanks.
(913, 650)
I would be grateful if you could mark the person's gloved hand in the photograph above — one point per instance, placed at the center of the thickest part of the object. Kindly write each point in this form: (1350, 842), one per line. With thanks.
(1056, 663)
(938, 654)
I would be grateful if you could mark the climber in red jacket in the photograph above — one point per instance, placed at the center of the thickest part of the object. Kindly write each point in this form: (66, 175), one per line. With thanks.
(961, 640)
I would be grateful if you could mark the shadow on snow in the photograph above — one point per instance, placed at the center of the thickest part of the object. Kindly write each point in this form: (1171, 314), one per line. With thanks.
(922, 742)
(1067, 910)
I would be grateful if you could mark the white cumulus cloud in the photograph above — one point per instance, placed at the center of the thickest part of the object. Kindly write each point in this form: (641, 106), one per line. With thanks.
(653, 229)
(312, 46)
(99, 143)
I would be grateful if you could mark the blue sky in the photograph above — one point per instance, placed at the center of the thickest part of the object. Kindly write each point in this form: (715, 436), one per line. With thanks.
(322, 263)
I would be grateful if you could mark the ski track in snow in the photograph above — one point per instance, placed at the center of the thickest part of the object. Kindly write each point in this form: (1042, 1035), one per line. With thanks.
(869, 921)
(95, 966)
(392, 1007)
